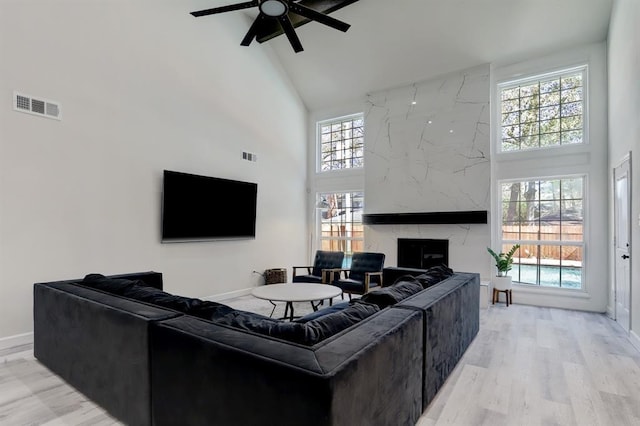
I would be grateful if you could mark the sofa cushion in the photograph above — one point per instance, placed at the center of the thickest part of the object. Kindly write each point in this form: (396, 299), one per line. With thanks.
(434, 275)
(326, 326)
(324, 311)
(138, 290)
(307, 333)
(404, 287)
(110, 285)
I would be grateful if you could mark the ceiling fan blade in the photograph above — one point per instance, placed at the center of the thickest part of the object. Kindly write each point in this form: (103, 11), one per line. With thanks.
(229, 8)
(287, 27)
(307, 12)
(251, 34)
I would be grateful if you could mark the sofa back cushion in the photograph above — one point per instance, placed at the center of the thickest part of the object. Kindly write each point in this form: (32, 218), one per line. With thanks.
(138, 290)
(404, 287)
(306, 333)
(434, 275)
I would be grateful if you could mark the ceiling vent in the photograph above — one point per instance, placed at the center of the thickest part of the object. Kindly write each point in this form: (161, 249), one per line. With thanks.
(36, 106)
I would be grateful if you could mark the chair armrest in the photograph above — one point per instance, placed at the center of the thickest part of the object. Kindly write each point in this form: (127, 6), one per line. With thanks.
(367, 279)
(308, 268)
(332, 273)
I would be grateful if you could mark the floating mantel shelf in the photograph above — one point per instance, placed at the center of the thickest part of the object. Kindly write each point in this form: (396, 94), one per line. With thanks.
(431, 218)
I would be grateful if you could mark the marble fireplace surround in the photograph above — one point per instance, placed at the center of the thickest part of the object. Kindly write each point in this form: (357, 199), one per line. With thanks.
(428, 151)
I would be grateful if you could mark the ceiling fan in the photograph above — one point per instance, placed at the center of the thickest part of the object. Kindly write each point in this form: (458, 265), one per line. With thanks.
(288, 14)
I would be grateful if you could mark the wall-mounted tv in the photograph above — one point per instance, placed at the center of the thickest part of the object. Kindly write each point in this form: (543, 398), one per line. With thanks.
(200, 208)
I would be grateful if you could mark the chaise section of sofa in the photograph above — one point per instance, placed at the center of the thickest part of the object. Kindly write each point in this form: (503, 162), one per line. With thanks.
(206, 374)
(99, 344)
(451, 316)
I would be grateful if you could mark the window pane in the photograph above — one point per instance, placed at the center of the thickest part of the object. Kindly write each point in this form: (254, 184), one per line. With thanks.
(552, 107)
(549, 112)
(571, 189)
(550, 86)
(571, 267)
(550, 99)
(570, 81)
(510, 93)
(340, 220)
(572, 137)
(541, 216)
(341, 143)
(572, 95)
(549, 139)
(510, 118)
(530, 232)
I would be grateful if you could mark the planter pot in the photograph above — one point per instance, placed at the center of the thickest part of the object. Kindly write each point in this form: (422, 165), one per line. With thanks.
(502, 283)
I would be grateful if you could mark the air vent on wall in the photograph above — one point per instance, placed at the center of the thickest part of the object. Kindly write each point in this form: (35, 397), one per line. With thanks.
(249, 156)
(36, 106)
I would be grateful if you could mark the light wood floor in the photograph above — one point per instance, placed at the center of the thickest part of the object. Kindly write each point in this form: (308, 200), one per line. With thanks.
(527, 366)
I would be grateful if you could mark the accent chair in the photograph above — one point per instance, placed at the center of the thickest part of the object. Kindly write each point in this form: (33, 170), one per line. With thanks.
(317, 273)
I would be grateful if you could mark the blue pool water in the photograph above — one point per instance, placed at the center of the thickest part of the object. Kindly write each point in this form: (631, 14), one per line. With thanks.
(550, 276)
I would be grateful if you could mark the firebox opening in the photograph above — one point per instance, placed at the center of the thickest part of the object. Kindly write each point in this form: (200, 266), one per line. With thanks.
(422, 253)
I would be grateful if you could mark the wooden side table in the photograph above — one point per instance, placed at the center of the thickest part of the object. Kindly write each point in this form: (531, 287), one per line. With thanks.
(496, 296)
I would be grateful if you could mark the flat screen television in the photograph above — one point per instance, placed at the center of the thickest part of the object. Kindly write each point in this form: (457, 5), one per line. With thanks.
(201, 208)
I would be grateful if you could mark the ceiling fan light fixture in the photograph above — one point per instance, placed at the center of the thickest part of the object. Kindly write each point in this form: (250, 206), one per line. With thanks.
(277, 12)
(273, 8)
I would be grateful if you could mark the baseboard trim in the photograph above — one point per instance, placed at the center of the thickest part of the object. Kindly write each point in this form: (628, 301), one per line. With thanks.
(634, 339)
(17, 340)
(228, 295)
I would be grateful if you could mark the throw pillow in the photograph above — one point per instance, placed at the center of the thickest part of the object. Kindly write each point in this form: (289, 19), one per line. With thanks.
(393, 294)
(111, 285)
(434, 275)
(331, 324)
(138, 290)
(308, 333)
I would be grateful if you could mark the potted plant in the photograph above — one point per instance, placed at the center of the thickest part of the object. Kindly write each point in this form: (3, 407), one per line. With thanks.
(504, 262)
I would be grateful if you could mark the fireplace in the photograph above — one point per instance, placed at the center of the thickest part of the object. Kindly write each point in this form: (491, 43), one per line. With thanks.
(421, 253)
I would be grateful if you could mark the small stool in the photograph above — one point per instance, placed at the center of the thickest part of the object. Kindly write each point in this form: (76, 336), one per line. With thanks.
(496, 296)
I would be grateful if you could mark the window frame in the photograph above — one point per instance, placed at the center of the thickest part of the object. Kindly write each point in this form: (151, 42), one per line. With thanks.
(500, 241)
(318, 138)
(506, 83)
(348, 240)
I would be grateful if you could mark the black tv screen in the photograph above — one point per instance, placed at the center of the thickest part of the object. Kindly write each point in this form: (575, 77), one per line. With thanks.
(198, 207)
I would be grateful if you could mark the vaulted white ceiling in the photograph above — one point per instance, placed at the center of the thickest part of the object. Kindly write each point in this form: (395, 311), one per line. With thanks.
(396, 42)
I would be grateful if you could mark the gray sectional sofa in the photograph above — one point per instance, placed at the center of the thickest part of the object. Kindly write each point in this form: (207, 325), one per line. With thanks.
(151, 365)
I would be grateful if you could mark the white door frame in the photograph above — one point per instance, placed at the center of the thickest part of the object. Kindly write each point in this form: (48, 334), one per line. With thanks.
(622, 243)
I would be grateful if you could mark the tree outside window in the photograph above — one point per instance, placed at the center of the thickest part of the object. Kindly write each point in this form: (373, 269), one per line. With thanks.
(543, 112)
(341, 143)
(546, 218)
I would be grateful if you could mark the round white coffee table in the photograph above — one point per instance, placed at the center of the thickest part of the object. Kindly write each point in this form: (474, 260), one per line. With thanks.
(296, 292)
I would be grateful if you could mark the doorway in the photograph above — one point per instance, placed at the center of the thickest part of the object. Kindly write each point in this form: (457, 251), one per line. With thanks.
(622, 242)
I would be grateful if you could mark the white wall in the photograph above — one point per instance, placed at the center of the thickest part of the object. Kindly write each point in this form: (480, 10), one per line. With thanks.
(624, 123)
(431, 157)
(144, 87)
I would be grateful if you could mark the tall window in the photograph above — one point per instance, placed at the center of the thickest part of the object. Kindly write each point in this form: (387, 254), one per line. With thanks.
(543, 111)
(340, 221)
(341, 143)
(546, 218)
